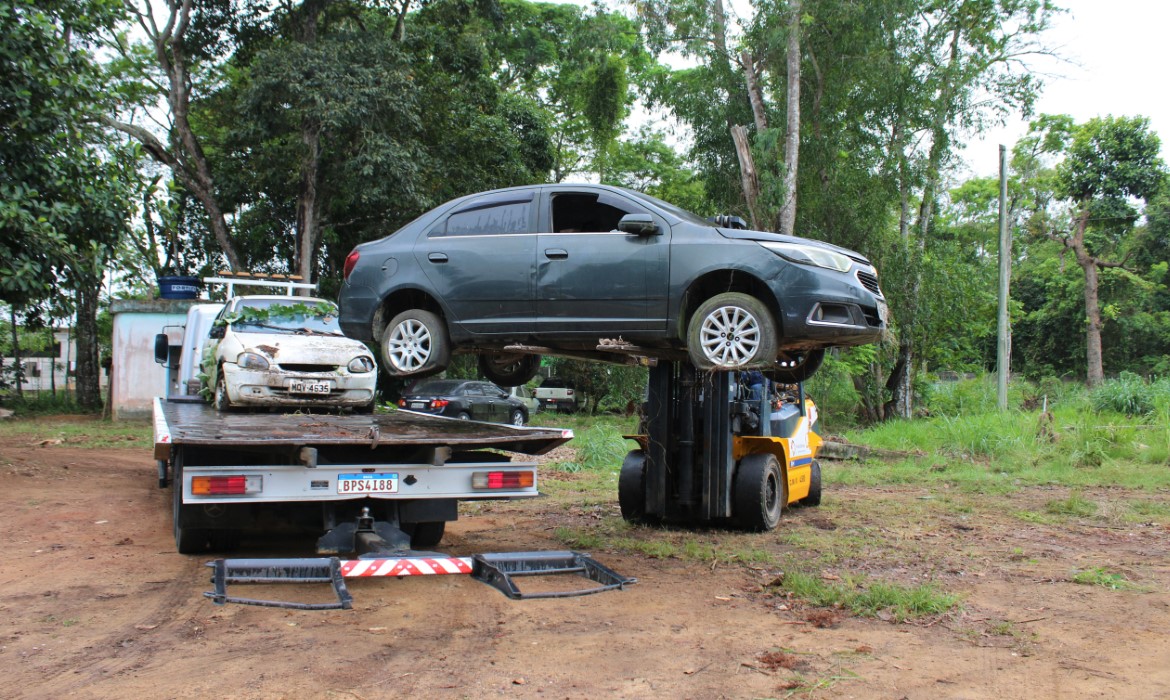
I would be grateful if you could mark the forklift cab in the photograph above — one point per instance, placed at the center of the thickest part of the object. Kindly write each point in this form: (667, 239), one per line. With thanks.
(719, 448)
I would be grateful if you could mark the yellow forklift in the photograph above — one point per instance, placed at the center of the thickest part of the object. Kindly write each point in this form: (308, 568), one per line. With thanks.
(712, 450)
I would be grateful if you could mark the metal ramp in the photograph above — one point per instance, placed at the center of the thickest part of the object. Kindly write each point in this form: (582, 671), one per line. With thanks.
(498, 570)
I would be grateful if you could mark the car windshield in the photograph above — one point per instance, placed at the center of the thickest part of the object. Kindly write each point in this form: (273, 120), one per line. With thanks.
(437, 387)
(308, 317)
(672, 209)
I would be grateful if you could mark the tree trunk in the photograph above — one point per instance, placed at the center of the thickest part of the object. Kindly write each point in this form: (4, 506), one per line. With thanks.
(747, 173)
(89, 394)
(308, 204)
(1094, 367)
(787, 219)
(753, 89)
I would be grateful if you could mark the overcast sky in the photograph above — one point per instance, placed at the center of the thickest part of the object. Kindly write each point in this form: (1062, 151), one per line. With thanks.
(1118, 50)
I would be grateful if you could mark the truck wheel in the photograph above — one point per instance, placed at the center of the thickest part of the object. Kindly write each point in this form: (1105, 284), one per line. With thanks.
(424, 535)
(760, 492)
(796, 366)
(508, 369)
(731, 331)
(415, 344)
(632, 487)
(220, 400)
(188, 540)
(517, 417)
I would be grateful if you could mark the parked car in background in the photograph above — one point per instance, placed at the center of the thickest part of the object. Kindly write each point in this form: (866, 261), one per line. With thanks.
(525, 395)
(556, 269)
(287, 352)
(465, 399)
(558, 395)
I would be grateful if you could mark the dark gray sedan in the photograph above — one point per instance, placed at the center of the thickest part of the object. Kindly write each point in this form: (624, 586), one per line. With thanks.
(591, 271)
(465, 399)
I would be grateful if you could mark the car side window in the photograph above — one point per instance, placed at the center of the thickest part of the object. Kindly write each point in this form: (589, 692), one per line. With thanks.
(588, 212)
(472, 390)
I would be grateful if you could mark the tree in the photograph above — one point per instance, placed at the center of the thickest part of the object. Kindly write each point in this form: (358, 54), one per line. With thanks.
(1109, 165)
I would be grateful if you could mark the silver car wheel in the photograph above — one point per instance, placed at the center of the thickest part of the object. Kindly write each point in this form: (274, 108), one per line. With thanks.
(730, 336)
(409, 345)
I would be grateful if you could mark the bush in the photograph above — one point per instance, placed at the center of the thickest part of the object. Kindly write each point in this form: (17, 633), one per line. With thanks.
(1128, 394)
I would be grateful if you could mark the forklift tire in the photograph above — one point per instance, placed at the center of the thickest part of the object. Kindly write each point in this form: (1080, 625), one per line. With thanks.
(632, 487)
(760, 492)
(188, 540)
(814, 486)
(426, 535)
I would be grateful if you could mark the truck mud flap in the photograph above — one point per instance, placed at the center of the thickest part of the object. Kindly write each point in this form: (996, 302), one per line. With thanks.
(497, 570)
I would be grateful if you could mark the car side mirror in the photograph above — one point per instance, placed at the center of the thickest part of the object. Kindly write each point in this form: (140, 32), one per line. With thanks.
(217, 332)
(638, 224)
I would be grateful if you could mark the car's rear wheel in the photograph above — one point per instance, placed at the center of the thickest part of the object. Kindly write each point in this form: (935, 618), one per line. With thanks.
(415, 343)
(508, 369)
(731, 331)
(796, 366)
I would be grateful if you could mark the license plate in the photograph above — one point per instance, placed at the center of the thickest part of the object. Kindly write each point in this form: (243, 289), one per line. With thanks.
(367, 483)
(418, 405)
(301, 387)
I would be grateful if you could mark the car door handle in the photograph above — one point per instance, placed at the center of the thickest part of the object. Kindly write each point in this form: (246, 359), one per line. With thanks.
(556, 253)
(437, 257)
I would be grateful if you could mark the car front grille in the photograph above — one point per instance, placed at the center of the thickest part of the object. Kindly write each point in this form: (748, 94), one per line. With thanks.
(869, 281)
(309, 368)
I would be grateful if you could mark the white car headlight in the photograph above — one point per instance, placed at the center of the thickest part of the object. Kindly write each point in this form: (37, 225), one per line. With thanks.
(252, 360)
(361, 365)
(810, 255)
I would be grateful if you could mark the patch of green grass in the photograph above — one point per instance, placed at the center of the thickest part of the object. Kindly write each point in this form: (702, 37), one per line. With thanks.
(870, 599)
(1103, 577)
(1076, 506)
(76, 432)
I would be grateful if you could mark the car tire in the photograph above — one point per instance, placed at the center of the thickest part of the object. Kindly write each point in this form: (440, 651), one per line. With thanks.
(760, 492)
(632, 487)
(517, 418)
(415, 344)
(508, 369)
(752, 330)
(464, 415)
(795, 367)
(220, 399)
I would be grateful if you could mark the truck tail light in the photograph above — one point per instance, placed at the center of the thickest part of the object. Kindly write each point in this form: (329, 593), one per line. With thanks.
(226, 485)
(350, 262)
(503, 481)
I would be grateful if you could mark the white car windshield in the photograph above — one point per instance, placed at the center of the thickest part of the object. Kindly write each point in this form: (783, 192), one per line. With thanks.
(286, 316)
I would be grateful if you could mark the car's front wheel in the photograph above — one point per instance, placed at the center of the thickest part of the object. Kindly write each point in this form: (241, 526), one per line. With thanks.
(508, 369)
(731, 331)
(415, 343)
(220, 398)
(517, 417)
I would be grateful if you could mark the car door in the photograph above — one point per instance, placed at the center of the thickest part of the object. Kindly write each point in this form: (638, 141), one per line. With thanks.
(477, 402)
(591, 278)
(480, 262)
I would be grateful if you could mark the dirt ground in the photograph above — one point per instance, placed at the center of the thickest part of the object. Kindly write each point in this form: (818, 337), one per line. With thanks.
(94, 602)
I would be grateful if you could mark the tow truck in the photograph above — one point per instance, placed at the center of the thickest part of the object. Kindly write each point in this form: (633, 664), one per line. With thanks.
(380, 486)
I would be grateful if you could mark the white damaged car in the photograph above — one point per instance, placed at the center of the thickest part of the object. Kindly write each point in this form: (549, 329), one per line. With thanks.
(289, 352)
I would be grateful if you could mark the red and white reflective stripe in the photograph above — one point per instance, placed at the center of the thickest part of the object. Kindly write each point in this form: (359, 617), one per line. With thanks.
(406, 567)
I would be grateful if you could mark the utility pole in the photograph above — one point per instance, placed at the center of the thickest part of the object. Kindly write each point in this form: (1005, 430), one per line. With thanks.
(1004, 350)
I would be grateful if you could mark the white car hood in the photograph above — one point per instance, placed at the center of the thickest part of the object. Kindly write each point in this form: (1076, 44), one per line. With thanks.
(303, 349)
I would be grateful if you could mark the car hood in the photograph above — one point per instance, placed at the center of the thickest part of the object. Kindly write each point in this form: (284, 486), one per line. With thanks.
(765, 236)
(303, 349)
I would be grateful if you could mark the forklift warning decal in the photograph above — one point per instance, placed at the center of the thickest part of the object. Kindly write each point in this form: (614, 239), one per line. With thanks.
(406, 567)
(798, 443)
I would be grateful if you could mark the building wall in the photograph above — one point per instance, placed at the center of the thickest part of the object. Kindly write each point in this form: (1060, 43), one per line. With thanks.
(135, 378)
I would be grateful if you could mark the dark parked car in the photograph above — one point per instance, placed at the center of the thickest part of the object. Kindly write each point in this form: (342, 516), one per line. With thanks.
(556, 269)
(469, 400)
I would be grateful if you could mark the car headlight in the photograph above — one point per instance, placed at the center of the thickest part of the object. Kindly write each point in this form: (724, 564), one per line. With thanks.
(252, 360)
(810, 255)
(361, 365)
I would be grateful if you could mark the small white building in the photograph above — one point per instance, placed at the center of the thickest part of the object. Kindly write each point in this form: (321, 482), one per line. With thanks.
(135, 378)
(54, 367)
